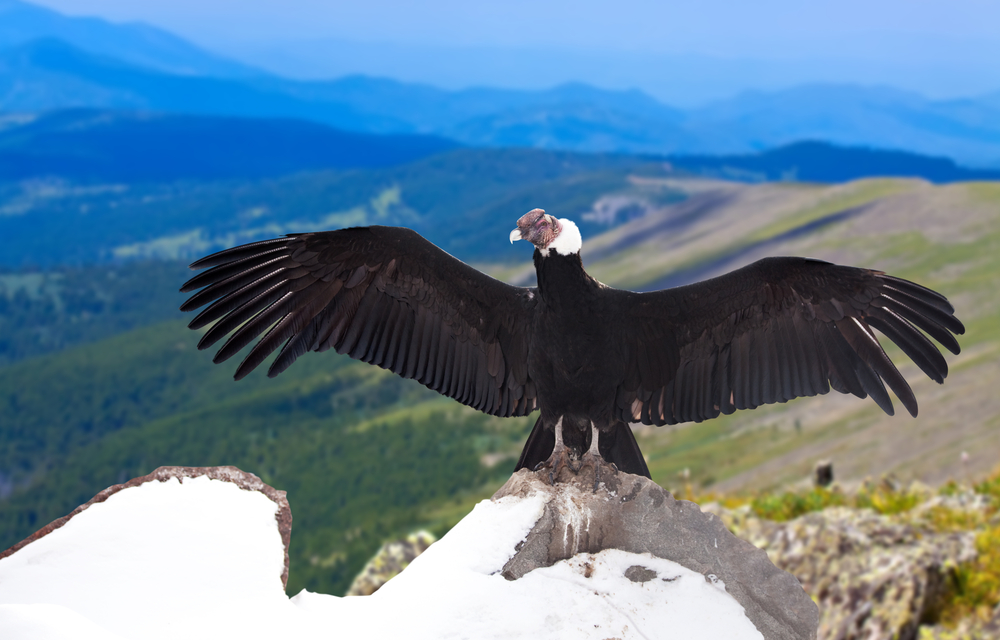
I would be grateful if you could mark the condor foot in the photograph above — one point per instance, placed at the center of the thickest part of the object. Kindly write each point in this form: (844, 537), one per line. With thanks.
(564, 466)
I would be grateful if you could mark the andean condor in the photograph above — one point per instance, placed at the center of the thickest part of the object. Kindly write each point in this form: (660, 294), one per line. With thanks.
(590, 358)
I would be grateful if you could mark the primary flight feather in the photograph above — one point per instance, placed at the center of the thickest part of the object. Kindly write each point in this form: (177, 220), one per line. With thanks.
(590, 358)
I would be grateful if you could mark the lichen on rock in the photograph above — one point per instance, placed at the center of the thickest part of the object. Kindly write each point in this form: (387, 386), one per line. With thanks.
(388, 561)
(873, 576)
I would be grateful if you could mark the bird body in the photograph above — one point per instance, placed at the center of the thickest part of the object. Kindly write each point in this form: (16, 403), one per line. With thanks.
(581, 366)
(590, 357)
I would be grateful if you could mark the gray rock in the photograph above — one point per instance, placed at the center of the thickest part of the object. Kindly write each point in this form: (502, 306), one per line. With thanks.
(600, 508)
(389, 561)
(874, 576)
(823, 473)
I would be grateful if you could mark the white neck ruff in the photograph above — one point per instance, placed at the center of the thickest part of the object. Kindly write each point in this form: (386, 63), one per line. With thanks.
(569, 240)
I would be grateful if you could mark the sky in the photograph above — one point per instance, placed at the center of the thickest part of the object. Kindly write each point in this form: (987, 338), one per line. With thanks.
(680, 51)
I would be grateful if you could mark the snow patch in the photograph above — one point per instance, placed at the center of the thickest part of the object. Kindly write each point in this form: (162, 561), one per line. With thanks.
(203, 559)
(158, 560)
(49, 622)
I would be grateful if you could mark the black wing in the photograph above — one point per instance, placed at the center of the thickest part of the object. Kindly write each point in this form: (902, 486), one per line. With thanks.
(778, 329)
(383, 295)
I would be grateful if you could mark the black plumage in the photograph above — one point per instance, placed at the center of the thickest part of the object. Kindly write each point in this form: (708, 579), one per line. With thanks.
(584, 354)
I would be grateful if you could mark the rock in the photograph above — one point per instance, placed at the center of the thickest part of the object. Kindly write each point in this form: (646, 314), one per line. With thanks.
(971, 628)
(190, 553)
(238, 477)
(873, 576)
(390, 559)
(634, 514)
(823, 473)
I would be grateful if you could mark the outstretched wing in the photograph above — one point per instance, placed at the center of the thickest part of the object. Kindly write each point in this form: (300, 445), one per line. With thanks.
(383, 295)
(775, 330)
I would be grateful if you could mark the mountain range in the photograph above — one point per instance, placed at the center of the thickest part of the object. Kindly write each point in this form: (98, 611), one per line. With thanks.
(49, 61)
(134, 43)
(102, 381)
(88, 145)
(109, 186)
(94, 146)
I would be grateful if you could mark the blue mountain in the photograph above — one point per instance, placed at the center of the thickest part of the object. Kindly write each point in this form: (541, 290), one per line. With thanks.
(54, 62)
(49, 74)
(101, 146)
(813, 161)
(87, 145)
(135, 43)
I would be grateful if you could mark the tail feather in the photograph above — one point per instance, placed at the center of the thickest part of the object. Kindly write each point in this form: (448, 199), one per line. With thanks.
(538, 448)
(619, 446)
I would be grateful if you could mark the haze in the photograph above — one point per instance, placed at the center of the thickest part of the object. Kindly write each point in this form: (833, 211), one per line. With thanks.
(682, 53)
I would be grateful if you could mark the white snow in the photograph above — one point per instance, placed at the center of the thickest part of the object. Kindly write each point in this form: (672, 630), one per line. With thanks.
(203, 559)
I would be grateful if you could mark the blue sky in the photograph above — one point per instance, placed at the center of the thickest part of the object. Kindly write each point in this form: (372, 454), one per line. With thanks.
(682, 52)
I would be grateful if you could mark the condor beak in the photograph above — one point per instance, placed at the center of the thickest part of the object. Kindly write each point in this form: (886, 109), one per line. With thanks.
(515, 235)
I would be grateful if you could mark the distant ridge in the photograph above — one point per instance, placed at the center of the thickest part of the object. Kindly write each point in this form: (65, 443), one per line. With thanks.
(133, 146)
(93, 145)
(813, 161)
(135, 42)
(49, 73)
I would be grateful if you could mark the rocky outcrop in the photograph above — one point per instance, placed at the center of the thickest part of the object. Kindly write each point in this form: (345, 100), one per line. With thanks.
(873, 576)
(969, 629)
(599, 508)
(388, 561)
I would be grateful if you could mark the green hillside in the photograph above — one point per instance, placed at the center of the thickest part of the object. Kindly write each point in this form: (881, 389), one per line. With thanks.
(364, 452)
(461, 200)
(366, 456)
(51, 310)
(945, 237)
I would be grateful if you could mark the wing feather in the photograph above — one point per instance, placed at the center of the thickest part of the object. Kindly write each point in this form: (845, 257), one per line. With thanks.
(778, 329)
(382, 295)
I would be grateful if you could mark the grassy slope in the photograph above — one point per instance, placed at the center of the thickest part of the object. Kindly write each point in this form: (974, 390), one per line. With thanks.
(365, 456)
(946, 237)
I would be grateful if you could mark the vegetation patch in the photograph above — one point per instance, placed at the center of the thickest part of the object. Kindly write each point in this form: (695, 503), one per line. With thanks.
(972, 592)
(785, 506)
(975, 589)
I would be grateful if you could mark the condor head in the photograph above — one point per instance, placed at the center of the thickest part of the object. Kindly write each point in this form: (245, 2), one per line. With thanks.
(548, 233)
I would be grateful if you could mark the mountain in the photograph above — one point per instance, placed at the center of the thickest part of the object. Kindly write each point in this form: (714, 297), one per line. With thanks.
(812, 161)
(111, 186)
(120, 146)
(134, 43)
(126, 146)
(48, 74)
(967, 131)
(428, 108)
(50, 61)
